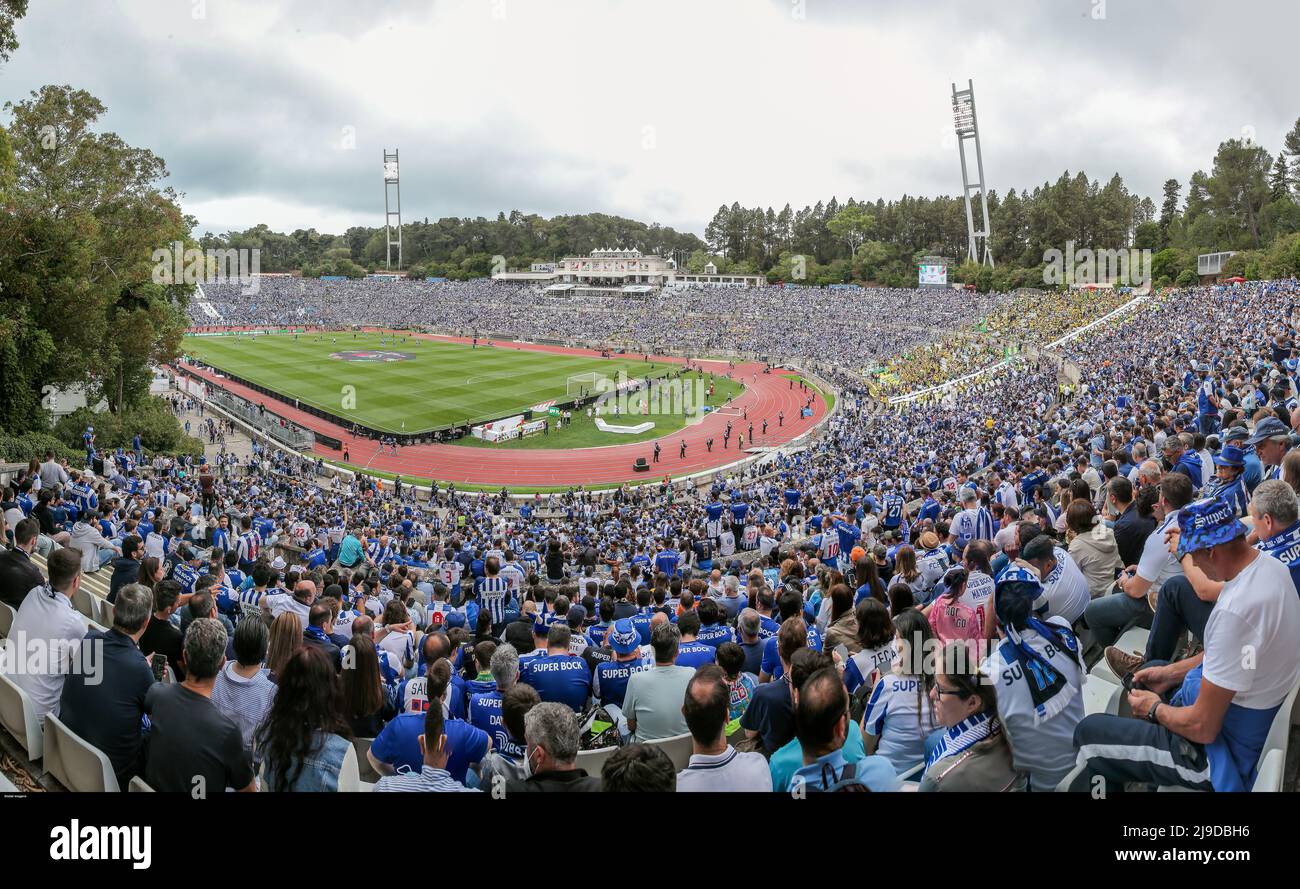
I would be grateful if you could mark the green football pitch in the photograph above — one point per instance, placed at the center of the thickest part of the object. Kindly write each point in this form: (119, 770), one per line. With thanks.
(435, 384)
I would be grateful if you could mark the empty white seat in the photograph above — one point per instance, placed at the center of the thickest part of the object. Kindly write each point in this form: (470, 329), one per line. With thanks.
(678, 748)
(73, 762)
(7, 618)
(1271, 769)
(1100, 696)
(138, 785)
(18, 716)
(592, 761)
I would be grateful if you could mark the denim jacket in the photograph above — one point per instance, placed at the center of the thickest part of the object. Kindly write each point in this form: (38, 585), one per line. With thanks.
(320, 770)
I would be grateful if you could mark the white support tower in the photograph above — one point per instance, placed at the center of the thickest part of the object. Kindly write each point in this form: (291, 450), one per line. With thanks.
(963, 117)
(392, 208)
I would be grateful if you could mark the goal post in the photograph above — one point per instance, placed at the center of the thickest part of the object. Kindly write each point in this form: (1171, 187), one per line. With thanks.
(583, 384)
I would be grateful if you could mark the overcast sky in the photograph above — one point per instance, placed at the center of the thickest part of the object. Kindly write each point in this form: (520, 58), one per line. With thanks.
(278, 111)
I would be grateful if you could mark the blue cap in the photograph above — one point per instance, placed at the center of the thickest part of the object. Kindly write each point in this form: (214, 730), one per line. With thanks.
(454, 619)
(1230, 455)
(1014, 573)
(1269, 427)
(623, 637)
(1207, 523)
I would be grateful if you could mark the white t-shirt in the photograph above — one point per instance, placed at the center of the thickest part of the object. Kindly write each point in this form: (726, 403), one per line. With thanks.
(1250, 638)
(979, 587)
(1065, 589)
(899, 712)
(1157, 564)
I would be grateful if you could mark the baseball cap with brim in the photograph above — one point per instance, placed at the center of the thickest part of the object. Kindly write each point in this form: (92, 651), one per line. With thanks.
(623, 637)
(1269, 427)
(1207, 523)
(1236, 433)
(454, 619)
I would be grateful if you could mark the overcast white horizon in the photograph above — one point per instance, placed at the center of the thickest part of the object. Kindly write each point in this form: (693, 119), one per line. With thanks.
(658, 110)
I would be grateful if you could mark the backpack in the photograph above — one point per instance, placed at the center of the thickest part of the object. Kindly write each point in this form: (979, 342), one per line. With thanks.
(593, 737)
(846, 782)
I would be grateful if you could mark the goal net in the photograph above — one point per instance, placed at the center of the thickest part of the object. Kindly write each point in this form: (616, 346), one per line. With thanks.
(583, 384)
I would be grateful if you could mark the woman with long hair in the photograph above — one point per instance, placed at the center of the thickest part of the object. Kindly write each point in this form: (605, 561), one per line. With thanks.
(1093, 547)
(286, 639)
(899, 716)
(876, 649)
(151, 571)
(305, 741)
(906, 570)
(953, 620)
(868, 580)
(367, 702)
(843, 628)
(973, 753)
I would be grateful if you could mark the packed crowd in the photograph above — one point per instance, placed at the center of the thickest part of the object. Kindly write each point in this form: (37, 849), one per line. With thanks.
(876, 323)
(913, 601)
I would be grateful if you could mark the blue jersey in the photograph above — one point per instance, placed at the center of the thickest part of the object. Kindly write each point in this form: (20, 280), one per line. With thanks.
(848, 535)
(485, 715)
(1285, 547)
(1233, 493)
(892, 506)
(399, 745)
(559, 678)
(772, 656)
(791, 498)
(715, 635)
(609, 682)
(667, 561)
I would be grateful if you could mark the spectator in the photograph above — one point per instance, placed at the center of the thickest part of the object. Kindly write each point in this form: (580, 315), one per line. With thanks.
(1202, 722)
(715, 765)
(972, 754)
(243, 690)
(46, 622)
(821, 720)
(18, 573)
(769, 720)
(1093, 547)
(286, 638)
(639, 768)
(305, 740)
(496, 767)
(432, 776)
(653, 701)
(397, 749)
(104, 694)
(368, 703)
(899, 715)
(126, 567)
(551, 753)
(193, 747)
(1039, 678)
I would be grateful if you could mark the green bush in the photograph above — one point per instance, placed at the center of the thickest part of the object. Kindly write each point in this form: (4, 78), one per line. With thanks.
(1187, 278)
(159, 430)
(21, 448)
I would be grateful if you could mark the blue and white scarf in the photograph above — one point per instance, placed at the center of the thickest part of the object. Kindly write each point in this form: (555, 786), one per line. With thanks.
(963, 736)
(1048, 688)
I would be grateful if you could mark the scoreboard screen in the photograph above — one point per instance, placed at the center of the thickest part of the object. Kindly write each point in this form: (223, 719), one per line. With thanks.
(932, 275)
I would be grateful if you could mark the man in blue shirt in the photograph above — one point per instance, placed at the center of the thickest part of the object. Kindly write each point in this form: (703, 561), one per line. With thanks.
(609, 682)
(557, 675)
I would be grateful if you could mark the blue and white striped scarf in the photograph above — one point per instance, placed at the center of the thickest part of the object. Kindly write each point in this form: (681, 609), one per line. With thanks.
(962, 736)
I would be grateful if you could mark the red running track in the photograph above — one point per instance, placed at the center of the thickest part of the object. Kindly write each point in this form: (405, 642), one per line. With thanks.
(765, 398)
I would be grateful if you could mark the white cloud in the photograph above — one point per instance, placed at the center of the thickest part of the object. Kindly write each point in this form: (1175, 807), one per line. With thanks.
(660, 110)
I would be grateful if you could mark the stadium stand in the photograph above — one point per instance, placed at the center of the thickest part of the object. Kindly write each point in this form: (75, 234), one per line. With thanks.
(1024, 581)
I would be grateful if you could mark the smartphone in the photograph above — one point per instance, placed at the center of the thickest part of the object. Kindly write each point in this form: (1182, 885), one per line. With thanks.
(158, 661)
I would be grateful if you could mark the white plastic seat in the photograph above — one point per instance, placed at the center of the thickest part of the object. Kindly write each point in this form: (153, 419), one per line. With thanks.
(75, 763)
(1133, 640)
(7, 786)
(7, 618)
(592, 761)
(138, 785)
(1100, 696)
(1271, 769)
(105, 612)
(18, 716)
(678, 748)
(84, 603)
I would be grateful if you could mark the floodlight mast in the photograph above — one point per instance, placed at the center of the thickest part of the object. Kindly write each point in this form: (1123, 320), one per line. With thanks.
(392, 208)
(966, 126)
